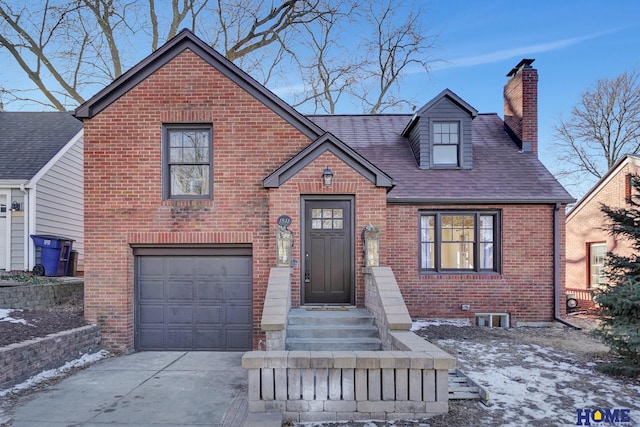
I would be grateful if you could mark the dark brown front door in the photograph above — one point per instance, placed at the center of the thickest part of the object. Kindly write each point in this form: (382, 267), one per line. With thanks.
(328, 252)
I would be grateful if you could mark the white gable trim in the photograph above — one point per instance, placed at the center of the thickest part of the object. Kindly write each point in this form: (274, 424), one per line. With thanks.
(77, 137)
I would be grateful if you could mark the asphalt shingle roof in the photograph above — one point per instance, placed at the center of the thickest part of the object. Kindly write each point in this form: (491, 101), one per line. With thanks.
(500, 173)
(29, 140)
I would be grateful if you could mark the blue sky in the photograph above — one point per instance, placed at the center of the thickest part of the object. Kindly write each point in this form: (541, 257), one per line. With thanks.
(574, 43)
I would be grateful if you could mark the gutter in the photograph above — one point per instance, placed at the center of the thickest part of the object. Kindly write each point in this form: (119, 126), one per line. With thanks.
(462, 200)
(556, 268)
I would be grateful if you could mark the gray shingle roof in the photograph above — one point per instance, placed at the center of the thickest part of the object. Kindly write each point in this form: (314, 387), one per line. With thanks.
(500, 173)
(29, 140)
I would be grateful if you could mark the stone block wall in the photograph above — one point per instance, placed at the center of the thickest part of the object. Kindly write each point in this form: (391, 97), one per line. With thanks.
(19, 362)
(348, 385)
(40, 296)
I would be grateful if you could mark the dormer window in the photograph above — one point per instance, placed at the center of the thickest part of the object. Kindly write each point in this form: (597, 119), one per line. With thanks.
(446, 143)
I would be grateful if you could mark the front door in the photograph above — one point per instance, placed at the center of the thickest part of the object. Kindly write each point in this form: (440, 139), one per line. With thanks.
(328, 252)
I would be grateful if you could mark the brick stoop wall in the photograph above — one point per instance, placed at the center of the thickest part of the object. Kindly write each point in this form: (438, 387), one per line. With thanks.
(40, 296)
(19, 362)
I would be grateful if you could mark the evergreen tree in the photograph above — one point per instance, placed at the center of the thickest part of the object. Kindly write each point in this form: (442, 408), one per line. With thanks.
(619, 298)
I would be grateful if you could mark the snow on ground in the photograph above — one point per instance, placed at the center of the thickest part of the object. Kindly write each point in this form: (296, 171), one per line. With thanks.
(423, 323)
(43, 376)
(4, 316)
(537, 385)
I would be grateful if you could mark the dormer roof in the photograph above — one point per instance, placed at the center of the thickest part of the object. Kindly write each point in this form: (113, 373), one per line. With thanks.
(447, 93)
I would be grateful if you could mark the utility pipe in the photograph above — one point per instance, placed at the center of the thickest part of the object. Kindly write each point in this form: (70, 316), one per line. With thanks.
(556, 267)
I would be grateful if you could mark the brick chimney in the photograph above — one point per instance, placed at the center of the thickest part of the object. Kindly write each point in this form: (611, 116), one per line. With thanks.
(521, 105)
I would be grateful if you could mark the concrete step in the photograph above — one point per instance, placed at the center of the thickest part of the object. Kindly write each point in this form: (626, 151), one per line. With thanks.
(334, 317)
(313, 331)
(334, 344)
(332, 329)
(462, 387)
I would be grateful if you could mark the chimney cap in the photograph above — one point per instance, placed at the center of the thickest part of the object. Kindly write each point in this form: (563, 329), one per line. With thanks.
(525, 63)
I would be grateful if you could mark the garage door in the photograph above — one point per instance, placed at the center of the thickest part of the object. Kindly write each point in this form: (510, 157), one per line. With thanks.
(193, 299)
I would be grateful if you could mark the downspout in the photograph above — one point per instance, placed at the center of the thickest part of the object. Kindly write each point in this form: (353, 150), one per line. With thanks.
(556, 268)
(27, 245)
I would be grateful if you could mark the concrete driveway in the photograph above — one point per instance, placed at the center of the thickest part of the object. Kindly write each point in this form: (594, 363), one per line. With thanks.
(144, 389)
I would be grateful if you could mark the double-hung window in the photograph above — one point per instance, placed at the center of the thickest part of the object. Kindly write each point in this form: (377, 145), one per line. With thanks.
(597, 258)
(459, 241)
(446, 143)
(188, 167)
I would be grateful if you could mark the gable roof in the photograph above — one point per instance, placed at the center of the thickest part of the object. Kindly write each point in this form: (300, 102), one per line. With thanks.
(185, 39)
(501, 173)
(447, 93)
(29, 140)
(621, 163)
(328, 142)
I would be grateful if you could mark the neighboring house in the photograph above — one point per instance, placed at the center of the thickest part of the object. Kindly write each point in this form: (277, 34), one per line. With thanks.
(41, 184)
(190, 162)
(588, 239)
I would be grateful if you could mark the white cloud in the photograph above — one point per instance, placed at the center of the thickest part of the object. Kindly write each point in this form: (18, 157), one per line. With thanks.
(516, 52)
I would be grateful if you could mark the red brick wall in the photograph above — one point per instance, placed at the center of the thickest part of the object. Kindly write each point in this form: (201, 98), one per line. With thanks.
(524, 288)
(370, 204)
(585, 225)
(123, 205)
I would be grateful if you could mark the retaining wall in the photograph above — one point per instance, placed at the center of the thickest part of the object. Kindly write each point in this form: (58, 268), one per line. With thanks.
(19, 362)
(343, 385)
(40, 296)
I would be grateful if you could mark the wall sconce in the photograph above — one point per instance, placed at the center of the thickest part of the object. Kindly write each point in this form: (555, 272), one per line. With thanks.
(371, 246)
(15, 206)
(327, 176)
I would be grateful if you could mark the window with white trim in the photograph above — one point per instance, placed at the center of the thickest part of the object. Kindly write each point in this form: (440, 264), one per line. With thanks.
(188, 164)
(597, 258)
(462, 241)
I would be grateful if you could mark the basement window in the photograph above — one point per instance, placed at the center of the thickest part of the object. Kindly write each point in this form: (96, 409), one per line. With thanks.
(492, 320)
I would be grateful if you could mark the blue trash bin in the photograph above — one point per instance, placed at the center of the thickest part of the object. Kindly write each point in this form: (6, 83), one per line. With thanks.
(55, 253)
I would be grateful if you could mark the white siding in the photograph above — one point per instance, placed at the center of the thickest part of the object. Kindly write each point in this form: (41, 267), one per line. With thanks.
(60, 200)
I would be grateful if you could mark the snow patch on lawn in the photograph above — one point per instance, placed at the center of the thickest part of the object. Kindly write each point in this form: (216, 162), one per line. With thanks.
(423, 323)
(5, 316)
(535, 384)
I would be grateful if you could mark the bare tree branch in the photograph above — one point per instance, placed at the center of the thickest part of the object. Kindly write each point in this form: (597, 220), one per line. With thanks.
(71, 48)
(603, 127)
(395, 46)
(37, 48)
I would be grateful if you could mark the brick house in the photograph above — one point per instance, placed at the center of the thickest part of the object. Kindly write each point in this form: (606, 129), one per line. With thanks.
(189, 163)
(587, 240)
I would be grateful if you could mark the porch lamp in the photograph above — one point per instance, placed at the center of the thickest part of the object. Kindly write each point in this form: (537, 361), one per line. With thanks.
(327, 176)
(371, 246)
